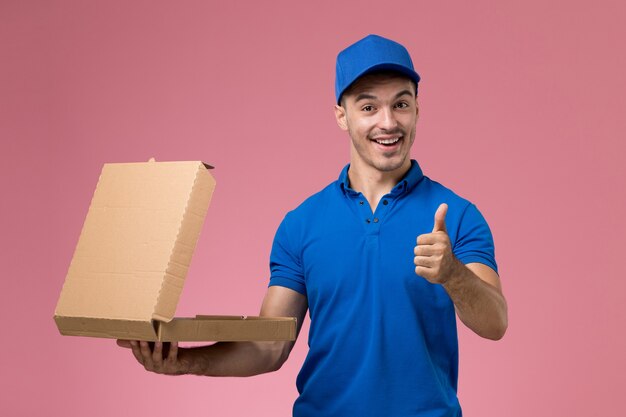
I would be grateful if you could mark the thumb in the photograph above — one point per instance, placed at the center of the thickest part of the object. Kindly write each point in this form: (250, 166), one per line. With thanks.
(440, 218)
(124, 343)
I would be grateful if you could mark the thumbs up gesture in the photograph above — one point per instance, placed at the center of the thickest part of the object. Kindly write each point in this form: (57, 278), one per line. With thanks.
(440, 219)
(434, 260)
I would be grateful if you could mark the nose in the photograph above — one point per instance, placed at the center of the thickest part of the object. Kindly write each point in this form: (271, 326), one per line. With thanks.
(387, 119)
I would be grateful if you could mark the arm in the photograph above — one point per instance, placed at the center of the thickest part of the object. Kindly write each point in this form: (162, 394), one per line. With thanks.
(475, 289)
(228, 358)
(477, 296)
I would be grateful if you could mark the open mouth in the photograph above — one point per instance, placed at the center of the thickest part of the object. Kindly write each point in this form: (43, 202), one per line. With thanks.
(388, 142)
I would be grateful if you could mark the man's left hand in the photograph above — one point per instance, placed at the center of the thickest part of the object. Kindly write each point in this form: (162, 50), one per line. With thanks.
(434, 259)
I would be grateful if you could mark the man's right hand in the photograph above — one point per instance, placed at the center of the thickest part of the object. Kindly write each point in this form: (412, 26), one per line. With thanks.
(158, 357)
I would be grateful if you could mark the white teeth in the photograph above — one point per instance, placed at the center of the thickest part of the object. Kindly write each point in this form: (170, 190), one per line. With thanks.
(387, 141)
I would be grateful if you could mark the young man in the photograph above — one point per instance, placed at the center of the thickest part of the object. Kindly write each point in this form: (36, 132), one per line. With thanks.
(382, 258)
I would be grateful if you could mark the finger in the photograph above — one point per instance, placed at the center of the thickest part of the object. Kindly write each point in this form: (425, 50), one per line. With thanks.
(424, 261)
(440, 218)
(425, 250)
(423, 272)
(146, 354)
(428, 239)
(172, 356)
(124, 343)
(157, 353)
(136, 351)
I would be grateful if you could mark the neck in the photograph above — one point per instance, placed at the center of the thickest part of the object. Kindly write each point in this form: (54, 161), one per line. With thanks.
(373, 183)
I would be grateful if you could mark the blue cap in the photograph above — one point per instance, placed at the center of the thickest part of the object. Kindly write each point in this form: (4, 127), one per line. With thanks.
(372, 53)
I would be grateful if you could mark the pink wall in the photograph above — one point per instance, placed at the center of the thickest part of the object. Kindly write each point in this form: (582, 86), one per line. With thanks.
(522, 112)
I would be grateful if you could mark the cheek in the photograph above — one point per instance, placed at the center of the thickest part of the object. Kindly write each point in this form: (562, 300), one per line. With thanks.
(361, 126)
(409, 126)
(356, 137)
(355, 129)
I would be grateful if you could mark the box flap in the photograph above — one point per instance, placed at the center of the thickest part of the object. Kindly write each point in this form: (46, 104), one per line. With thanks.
(228, 329)
(198, 201)
(199, 329)
(114, 329)
(136, 243)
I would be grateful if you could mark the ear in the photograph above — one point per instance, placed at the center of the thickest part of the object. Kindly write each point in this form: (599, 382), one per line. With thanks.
(340, 117)
(417, 110)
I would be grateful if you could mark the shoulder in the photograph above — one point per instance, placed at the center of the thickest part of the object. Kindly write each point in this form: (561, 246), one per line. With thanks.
(436, 193)
(306, 220)
(316, 204)
(463, 215)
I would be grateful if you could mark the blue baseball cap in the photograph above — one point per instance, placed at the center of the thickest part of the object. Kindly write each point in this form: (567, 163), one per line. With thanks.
(372, 53)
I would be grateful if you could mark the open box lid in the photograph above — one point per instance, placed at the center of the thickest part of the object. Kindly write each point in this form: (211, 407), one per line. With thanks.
(136, 245)
(132, 257)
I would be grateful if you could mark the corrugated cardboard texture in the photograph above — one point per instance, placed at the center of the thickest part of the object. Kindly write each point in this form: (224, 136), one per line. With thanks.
(113, 329)
(137, 241)
(199, 329)
(132, 258)
(228, 328)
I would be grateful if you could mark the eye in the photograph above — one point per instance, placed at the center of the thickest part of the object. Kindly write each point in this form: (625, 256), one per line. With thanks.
(402, 105)
(367, 108)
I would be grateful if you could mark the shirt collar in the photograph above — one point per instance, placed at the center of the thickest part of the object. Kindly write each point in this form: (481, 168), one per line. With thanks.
(407, 183)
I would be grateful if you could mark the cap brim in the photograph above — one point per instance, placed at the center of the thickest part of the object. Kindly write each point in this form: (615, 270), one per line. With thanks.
(414, 76)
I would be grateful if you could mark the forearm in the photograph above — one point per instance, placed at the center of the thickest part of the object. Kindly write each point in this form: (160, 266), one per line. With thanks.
(233, 358)
(226, 358)
(479, 305)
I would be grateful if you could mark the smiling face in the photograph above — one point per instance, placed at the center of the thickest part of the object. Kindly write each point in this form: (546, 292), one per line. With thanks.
(379, 112)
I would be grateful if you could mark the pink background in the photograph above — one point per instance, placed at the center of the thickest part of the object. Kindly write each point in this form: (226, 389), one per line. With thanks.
(522, 111)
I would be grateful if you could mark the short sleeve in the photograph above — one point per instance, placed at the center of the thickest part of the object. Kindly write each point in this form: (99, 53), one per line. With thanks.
(285, 260)
(474, 241)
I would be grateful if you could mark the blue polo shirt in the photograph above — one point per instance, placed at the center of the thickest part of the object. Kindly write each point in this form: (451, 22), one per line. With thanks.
(382, 340)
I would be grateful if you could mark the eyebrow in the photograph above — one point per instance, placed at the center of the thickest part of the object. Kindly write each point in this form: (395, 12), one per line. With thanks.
(367, 96)
(404, 92)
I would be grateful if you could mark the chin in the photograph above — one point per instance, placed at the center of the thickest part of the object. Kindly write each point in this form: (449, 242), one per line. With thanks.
(390, 165)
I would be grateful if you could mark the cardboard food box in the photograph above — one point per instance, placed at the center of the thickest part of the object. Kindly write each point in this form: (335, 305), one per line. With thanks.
(132, 257)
